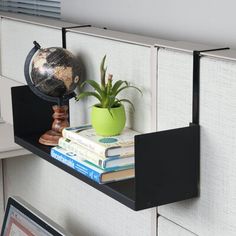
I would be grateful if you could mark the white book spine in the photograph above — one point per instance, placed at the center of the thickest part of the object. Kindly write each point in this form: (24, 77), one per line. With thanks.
(82, 152)
(84, 142)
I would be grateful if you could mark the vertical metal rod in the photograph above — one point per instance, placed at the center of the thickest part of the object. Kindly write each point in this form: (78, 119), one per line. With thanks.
(196, 87)
(63, 30)
(196, 82)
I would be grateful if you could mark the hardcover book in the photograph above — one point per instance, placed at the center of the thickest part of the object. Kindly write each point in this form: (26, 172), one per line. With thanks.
(85, 154)
(121, 145)
(91, 171)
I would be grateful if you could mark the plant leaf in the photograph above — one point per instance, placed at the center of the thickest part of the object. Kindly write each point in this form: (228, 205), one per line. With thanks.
(128, 101)
(116, 103)
(127, 86)
(111, 101)
(103, 72)
(117, 85)
(94, 84)
(87, 94)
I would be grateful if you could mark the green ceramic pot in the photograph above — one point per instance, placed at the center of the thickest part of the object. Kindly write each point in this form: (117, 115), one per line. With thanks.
(108, 123)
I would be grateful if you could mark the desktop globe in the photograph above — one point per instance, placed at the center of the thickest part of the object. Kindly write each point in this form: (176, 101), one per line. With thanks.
(52, 74)
(55, 71)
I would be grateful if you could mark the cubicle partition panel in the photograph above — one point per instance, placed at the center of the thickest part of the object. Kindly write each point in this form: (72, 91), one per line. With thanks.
(166, 153)
(45, 185)
(217, 120)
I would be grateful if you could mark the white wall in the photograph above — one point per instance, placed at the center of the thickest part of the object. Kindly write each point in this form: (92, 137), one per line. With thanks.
(211, 21)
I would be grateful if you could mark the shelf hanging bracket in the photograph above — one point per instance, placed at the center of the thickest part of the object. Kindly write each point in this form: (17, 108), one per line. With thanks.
(64, 30)
(196, 82)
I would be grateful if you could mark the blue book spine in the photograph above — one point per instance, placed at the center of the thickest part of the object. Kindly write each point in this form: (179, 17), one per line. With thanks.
(67, 158)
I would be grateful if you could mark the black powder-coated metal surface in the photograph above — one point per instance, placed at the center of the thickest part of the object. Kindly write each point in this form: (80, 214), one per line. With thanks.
(122, 191)
(166, 162)
(167, 166)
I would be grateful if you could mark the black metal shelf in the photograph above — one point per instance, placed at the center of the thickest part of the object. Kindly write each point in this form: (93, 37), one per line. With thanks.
(166, 162)
(122, 191)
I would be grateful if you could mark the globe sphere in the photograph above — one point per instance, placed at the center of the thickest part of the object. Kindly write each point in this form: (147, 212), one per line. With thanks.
(55, 71)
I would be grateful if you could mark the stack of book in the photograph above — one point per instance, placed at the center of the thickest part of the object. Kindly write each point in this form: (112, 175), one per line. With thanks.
(102, 159)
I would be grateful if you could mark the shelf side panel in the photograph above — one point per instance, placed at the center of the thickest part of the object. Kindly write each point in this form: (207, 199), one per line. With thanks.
(31, 114)
(167, 166)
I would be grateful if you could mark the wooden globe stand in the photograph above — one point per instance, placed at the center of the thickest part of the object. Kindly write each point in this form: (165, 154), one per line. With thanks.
(60, 116)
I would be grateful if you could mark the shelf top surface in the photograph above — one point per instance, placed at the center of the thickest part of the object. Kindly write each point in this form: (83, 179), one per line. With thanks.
(123, 191)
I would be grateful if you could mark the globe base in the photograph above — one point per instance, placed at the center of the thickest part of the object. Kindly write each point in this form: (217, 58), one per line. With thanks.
(60, 116)
(50, 138)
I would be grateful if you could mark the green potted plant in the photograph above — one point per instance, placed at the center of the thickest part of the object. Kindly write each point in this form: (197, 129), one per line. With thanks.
(108, 115)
